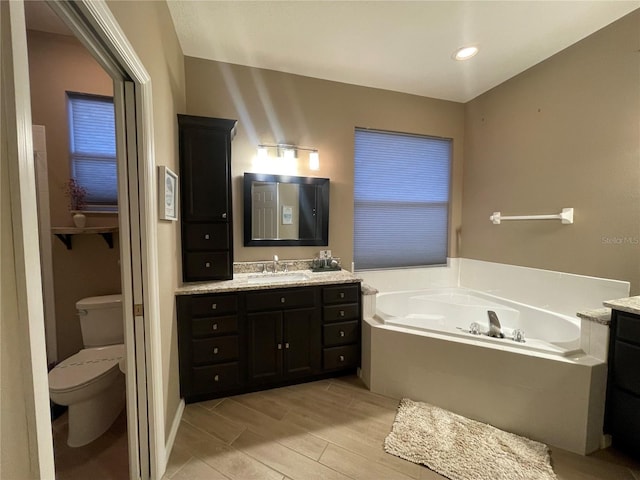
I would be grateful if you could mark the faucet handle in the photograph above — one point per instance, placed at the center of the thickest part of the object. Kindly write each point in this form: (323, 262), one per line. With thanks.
(286, 267)
(275, 258)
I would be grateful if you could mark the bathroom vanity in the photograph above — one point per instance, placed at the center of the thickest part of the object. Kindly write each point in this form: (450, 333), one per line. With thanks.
(236, 337)
(622, 416)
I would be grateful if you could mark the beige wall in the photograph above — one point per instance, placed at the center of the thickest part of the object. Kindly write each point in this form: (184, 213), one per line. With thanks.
(58, 64)
(565, 133)
(149, 28)
(274, 107)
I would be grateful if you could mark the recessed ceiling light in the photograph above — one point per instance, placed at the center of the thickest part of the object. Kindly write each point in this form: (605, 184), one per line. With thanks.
(465, 53)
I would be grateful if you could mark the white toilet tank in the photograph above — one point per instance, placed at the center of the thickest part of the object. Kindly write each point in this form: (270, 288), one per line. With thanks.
(101, 320)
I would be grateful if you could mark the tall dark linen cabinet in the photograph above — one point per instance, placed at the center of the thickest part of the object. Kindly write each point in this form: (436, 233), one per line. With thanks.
(205, 193)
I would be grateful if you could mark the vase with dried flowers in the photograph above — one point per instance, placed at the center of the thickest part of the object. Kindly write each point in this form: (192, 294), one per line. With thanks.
(77, 195)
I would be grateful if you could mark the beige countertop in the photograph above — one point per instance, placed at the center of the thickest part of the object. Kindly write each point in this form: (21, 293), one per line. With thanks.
(598, 315)
(241, 281)
(628, 304)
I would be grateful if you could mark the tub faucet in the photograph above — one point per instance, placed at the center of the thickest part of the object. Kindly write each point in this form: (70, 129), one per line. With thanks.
(495, 330)
(275, 263)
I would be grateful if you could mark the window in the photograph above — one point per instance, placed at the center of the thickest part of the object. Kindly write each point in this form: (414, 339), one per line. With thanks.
(92, 144)
(401, 199)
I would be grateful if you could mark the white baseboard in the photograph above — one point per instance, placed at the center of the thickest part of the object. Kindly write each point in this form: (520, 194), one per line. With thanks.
(175, 425)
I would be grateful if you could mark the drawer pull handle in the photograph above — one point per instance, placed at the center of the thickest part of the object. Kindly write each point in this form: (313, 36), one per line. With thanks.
(342, 333)
(341, 358)
(213, 307)
(207, 264)
(215, 350)
(282, 300)
(279, 346)
(206, 236)
(341, 294)
(286, 345)
(342, 313)
(216, 378)
(214, 326)
(224, 215)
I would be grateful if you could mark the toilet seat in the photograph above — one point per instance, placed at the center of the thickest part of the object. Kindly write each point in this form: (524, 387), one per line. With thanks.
(84, 368)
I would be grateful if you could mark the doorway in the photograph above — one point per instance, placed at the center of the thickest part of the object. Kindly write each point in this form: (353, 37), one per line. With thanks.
(72, 109)
(95, 27)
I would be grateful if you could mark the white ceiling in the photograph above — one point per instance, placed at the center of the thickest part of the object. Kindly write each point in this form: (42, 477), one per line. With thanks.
(394, 45)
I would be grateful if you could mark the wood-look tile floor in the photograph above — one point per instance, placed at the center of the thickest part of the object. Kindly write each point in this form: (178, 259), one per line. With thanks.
(331, 429)
(106, 458)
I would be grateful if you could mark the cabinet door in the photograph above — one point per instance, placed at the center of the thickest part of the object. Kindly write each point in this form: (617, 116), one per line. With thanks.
(205, 171)
(265, 346)
(302, 347)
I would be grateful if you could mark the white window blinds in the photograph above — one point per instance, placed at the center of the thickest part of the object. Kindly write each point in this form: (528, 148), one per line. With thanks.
(401, 199)
(92, 144)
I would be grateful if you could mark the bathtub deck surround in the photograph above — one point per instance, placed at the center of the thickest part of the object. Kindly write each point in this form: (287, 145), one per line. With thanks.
(554, 399)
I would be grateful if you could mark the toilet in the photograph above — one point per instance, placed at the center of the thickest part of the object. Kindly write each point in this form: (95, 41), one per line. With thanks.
(91, 382)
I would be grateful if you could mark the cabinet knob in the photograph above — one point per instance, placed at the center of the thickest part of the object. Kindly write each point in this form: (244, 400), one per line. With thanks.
(342, 333)
(214, 306)
(341, 358)
(206, 236)
(216, 378)
(224, 215)
(279, 346)
(214, 326)
(342, 313)
(341, 294)
(215, 350)
(207, 264)
(282, 300)
(286, 345)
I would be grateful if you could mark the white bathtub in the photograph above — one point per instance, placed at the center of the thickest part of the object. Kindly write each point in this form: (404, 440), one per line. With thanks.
(451, 311)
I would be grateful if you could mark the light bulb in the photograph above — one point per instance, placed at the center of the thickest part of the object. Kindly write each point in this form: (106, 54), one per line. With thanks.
(314, 160)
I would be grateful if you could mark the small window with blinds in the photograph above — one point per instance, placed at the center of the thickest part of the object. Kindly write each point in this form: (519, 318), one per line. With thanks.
(92, 145)
(401, 199)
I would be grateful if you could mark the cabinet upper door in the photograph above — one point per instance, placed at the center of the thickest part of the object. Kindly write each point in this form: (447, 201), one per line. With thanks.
(205, 155)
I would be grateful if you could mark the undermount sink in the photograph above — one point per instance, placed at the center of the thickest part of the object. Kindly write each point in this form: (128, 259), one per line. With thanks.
(284, 277)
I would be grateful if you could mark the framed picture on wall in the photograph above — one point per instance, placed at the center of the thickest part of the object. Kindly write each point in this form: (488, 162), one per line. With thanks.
(167, 194)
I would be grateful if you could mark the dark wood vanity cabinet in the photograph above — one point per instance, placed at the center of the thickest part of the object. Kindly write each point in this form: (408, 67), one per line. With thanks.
(237, 342)
(283, 334)
(205, 194)
(622, 415)
(210, 343)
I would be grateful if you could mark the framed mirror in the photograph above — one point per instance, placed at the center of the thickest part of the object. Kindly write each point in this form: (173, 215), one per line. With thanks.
(282, 210)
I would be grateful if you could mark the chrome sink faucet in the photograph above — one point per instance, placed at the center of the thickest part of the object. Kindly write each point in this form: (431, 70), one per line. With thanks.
(275, 264)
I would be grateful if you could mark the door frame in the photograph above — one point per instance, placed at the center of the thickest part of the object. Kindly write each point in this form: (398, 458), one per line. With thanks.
(95, 26)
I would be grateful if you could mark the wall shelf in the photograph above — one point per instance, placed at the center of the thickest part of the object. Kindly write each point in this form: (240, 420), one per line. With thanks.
(65, 234)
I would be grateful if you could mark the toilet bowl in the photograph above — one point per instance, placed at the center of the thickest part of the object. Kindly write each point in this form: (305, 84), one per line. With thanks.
(92, 385)
(91, 382)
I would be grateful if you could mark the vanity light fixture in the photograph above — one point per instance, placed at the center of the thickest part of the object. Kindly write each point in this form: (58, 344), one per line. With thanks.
(290, 153)
(465, 53)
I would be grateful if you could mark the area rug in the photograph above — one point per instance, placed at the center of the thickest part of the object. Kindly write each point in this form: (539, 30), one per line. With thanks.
(464, 449)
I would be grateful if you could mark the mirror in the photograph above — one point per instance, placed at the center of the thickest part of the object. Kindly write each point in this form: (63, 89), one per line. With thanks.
(283, 210)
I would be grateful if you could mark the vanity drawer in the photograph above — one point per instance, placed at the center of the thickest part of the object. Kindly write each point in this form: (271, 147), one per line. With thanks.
(206, 265)
(206, 236)
(340, 333)
(627, 366)
(346, 293)
(215, 377)
(214, 304)
(628, 328)
(206, 327)
(281, 299)
(217, 349)
(341, 357)
(339, 313)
